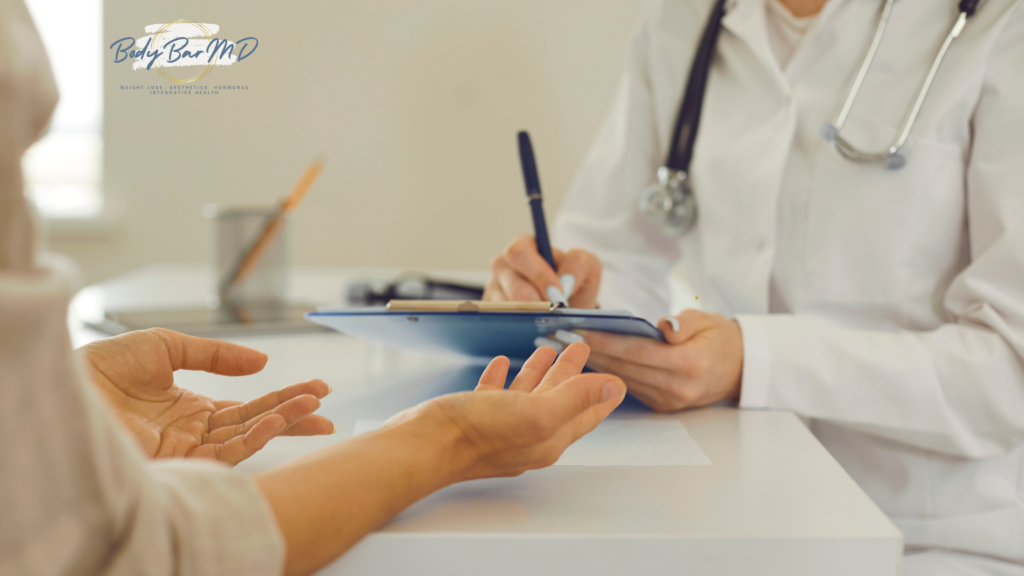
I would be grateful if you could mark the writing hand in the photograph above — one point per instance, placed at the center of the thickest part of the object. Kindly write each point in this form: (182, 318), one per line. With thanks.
(521, 274)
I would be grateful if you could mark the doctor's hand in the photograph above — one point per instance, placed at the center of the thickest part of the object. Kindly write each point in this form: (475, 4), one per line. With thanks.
(701, 363)
(135, 373)
(544, 410)
(520, 274)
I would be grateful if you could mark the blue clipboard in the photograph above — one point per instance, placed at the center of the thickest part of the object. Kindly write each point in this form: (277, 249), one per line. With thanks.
(480, 335)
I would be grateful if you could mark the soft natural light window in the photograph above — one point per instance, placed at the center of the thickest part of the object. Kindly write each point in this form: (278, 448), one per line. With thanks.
(64, 170)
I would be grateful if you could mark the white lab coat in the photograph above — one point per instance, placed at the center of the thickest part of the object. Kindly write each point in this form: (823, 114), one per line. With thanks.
(885, 306)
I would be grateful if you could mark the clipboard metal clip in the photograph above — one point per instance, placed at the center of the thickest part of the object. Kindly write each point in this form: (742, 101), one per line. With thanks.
(468, 306)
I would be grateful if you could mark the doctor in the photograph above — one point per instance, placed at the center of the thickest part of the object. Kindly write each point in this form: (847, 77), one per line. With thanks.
(881, 298)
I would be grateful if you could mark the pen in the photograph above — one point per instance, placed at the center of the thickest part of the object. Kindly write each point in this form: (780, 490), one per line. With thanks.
(540, 226)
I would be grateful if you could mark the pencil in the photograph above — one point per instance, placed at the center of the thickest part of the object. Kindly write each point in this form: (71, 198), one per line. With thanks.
(273, 227)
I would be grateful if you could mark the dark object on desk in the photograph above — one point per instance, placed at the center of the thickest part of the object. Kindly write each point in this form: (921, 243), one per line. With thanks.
(226, 320)
(409, 287)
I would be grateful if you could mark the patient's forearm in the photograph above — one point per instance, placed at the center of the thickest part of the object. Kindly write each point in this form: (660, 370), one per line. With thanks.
(327, 502)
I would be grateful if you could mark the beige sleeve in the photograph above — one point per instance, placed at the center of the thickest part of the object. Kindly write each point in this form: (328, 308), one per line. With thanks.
(78, 497)
(28, 96)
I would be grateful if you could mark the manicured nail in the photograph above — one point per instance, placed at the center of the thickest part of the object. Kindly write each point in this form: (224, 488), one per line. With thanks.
(555, 295)
(541, 341)
(568, 283)
(673, 321)
(610, 390)
(567, 337)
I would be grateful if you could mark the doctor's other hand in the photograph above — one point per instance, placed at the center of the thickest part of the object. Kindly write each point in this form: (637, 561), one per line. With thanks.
(701, 363)
(520, 274)
(546, 408)
(135, 373)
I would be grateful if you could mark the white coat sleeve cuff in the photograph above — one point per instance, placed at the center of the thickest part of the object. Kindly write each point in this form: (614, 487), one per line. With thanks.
(756, 361)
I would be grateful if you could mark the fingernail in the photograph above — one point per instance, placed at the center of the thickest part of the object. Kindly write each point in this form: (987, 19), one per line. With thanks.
(568, 283)
(541, 341)
(611, 390)
(567, 337)
(673, 321)
(329, 389)
(555, 295)
(334, 430)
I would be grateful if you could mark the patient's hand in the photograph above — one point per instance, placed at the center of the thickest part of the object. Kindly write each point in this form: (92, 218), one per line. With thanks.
(545, 409)
(329, 500)
(135, 372)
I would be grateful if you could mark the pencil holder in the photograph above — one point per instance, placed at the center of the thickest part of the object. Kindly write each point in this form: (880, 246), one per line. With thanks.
(234, 229)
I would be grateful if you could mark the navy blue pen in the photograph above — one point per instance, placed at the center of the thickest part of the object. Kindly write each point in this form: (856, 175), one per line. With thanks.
(540, 226)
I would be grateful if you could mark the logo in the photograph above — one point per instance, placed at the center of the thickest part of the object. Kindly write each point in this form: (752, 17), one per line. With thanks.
(182, 44)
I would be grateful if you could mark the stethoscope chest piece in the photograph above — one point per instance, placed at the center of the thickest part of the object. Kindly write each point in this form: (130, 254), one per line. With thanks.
(670, 202)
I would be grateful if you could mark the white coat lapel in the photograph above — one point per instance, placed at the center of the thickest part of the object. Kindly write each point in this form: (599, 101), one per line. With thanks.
(746, 20)
(745, 137)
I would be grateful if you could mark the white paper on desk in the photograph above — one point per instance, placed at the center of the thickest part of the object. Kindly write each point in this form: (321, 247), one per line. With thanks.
(620, 442)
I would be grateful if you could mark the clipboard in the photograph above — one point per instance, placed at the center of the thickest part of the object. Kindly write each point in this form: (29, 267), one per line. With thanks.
(478, 330)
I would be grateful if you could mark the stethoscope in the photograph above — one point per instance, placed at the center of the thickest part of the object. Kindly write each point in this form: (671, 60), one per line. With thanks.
(671, 200)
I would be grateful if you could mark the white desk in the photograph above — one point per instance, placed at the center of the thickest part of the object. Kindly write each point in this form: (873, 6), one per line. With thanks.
(773, 502)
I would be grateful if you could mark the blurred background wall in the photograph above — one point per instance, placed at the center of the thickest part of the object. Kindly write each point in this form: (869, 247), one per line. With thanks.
(413, 105)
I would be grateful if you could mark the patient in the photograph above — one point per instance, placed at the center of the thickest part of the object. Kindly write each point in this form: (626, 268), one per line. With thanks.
(78, 495)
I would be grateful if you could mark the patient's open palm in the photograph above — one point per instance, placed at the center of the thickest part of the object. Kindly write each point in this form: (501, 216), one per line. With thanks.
(135, 372)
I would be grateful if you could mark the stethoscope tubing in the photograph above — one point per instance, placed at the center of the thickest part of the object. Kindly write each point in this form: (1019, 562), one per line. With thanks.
(889, 155)
(684, 132)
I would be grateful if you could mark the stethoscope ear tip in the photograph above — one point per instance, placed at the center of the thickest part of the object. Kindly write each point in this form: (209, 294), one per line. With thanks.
(895, 161)
(829, 132)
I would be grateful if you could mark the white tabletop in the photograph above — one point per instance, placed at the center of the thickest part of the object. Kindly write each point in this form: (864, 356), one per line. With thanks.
(773, 501)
